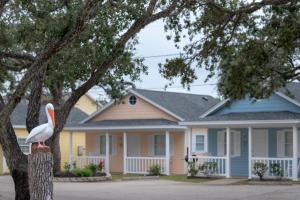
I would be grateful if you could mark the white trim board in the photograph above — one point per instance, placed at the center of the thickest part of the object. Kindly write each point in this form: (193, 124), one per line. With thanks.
(241, 122)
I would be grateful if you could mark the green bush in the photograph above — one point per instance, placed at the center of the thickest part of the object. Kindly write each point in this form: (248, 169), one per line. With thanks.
(208, 168)
(260, 169)
(67, 167)
(85, 172)
(92, 167)
(155, 170)
(192, 169)
(276, 170)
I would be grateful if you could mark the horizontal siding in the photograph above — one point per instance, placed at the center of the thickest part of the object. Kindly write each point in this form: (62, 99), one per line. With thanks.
(274, 103)
(141, 110)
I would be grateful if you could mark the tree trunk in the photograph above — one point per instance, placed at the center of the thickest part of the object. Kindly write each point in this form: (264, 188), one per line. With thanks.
(54, 144)
(40, 174)
(21, 184)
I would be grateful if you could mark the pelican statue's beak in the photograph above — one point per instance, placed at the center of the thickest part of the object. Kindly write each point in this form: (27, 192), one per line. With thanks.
(51, 113)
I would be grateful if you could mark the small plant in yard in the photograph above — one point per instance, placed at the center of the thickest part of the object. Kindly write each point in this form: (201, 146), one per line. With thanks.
(92, 167)
(74, 165)
(208, 168)
(85, 172)
(155, 170)
(260, 169)
(100, 166)
(192, 169)
(276, 170)
(67, 167)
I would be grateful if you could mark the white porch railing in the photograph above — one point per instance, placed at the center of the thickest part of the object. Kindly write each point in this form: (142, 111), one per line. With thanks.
(141, 165)
(286, 165)
(82, 161)
(220, 164)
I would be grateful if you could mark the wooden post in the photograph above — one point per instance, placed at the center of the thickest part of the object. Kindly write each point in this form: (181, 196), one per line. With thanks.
(228, 166)
(124, 153)
(295, 154)
(40, 171)
(167, 153)
(249, 152)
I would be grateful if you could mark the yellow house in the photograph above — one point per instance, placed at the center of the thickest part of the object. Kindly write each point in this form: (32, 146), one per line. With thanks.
(85, 106)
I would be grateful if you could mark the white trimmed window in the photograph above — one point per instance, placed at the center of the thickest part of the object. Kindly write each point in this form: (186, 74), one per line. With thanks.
(235, 140)
(157, 145)
(112, 145)
(25, 148)
(199, 143)
(285, 143)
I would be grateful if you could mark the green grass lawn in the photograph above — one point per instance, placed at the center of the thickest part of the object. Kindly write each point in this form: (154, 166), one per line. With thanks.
(179, 178)
(183, 178)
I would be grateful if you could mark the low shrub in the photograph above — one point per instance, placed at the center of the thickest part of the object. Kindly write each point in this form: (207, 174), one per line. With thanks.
(100, 166)
(85, 172)
(208, 168)
(67, 166)
(192, 169)
(276, 170)
(92, 167)
(155, 170)
(260, 169)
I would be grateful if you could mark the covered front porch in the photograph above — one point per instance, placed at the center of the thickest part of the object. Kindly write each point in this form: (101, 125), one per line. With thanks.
(234, 149)
(134, 149)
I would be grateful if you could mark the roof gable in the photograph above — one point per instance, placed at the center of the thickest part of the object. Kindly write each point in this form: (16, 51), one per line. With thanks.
(178, 105)
(274, 103)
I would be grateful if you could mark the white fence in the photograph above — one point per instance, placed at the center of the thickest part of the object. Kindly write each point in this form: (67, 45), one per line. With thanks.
(286, 165)
(141, 165)
(82, 161)
(211, 165)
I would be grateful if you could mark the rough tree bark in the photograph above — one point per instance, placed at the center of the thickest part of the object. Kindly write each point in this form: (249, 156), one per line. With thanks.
(40, 173)
(16, 160)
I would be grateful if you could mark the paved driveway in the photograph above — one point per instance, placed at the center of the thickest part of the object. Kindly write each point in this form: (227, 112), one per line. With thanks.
(159, 189)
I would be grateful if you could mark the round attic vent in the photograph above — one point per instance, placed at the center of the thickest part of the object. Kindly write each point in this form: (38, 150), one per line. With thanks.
(132, 100)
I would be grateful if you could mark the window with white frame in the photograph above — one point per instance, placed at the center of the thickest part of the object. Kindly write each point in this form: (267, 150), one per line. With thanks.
(285, 143)
(25, 148)
(235, 140)
(199, 143)
(159, 145)
(112, 145)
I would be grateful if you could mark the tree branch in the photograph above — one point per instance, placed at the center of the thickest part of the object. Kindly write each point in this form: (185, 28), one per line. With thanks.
(17, 55)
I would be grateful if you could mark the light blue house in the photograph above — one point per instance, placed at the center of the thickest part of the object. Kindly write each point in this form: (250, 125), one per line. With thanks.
(261, 130)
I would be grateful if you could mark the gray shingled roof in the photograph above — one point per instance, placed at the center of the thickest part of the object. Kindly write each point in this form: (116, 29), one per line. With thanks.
(283, 115)
(18, 117)
(292, 90)
(129, 122)
(186, 106)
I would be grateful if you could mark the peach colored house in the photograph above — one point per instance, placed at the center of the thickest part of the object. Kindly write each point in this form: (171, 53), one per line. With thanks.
(141, 130)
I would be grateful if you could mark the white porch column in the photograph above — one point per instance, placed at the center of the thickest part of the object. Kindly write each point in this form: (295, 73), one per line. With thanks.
(187, 146)
(228, 167)
(124, 153)
(295, 153)
(167, 153)
(250, 152)
(71, 148)
(107, 152)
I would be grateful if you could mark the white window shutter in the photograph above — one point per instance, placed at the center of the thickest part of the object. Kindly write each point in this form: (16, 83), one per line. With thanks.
(194, 143)
(237, 144)
(280, 144)
(151, 145)
(98, 143)
(221, 143)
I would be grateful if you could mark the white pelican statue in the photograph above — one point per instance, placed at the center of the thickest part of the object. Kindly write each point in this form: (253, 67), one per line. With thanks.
(43, 132)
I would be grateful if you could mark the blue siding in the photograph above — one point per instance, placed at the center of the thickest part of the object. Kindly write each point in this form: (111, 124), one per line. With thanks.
(274, 103)
(273, 142)
(212, 141)
(239, 165)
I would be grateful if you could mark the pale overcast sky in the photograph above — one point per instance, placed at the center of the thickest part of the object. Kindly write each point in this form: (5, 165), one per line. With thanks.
(153, 42)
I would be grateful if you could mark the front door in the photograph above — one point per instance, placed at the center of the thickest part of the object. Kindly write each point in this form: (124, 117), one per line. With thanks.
(260, 143)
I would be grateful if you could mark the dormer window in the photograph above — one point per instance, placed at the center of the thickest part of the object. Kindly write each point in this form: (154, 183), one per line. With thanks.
(132, 100)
